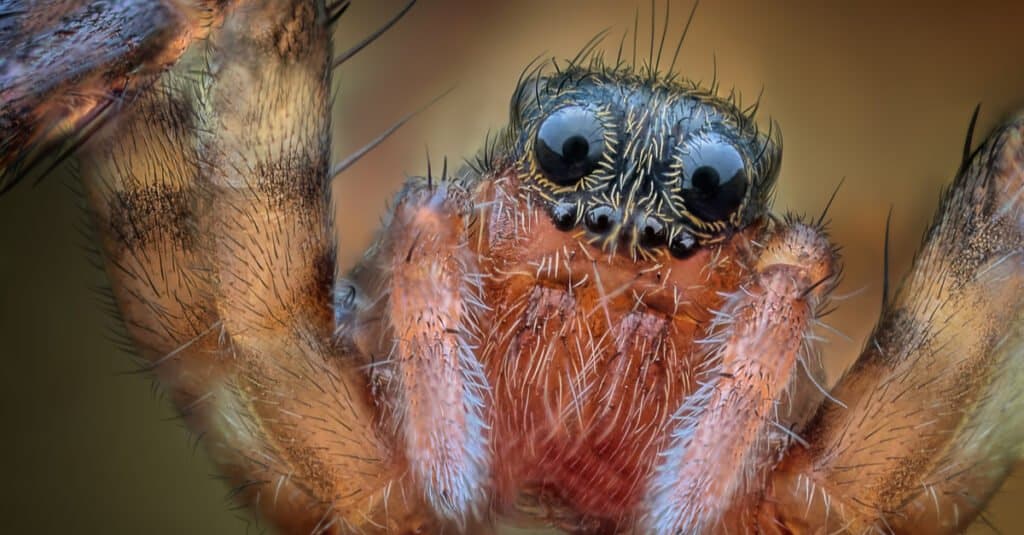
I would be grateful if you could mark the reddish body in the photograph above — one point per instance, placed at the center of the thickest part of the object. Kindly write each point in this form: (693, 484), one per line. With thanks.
(589, 355)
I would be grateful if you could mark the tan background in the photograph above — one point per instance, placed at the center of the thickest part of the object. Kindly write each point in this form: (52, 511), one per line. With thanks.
(878, 92)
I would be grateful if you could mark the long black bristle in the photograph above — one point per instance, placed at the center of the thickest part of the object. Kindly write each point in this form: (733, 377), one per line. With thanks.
(365, 149)
(828, 205)
(682, 38)
(969, 140)
(346, 55)
(885, 261)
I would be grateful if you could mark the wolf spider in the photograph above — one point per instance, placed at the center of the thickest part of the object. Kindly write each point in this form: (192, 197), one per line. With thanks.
(599, 325)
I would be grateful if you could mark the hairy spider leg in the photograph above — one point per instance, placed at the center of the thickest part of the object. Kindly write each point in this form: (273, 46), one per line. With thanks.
(70, 66)
(726, 435)
(426, 283)
(935, 415)
(212, 199)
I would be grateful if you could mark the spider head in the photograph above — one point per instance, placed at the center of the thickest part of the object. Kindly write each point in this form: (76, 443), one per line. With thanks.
(637, 163)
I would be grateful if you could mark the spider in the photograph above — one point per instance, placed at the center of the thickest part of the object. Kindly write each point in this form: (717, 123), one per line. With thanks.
(574, 330)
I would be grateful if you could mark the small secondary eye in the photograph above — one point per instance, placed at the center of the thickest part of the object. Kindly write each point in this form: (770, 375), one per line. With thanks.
(683, 245)
(564, 216)
(652, 232)
(600, 219)
(569, 144)
(714, 179)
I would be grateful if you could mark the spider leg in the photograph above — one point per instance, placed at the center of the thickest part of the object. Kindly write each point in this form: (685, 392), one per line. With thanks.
(67, 66)
(935, 407)
(140, 180)
(212, 199)
(729, 433)
(428, 288)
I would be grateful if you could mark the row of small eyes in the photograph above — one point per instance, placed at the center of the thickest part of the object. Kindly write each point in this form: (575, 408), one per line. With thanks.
(602, 218)
(570, 144)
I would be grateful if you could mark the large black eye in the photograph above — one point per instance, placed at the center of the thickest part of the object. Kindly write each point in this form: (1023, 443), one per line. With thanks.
(569, 144)
(714, 179)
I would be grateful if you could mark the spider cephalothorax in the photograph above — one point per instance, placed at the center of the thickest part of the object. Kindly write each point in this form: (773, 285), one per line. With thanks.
(639, 161)
(580, 287)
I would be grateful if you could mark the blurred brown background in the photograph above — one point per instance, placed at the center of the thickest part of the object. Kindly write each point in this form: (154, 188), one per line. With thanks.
(878, 92)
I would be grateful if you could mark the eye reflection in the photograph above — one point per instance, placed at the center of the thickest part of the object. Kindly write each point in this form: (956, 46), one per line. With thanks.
(714, 179)
(651, 232)
(569, 144)
(564, 216)
(601, 219)
(683, 245)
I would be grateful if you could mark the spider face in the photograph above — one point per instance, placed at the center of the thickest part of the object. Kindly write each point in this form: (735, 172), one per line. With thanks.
(640, 165)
